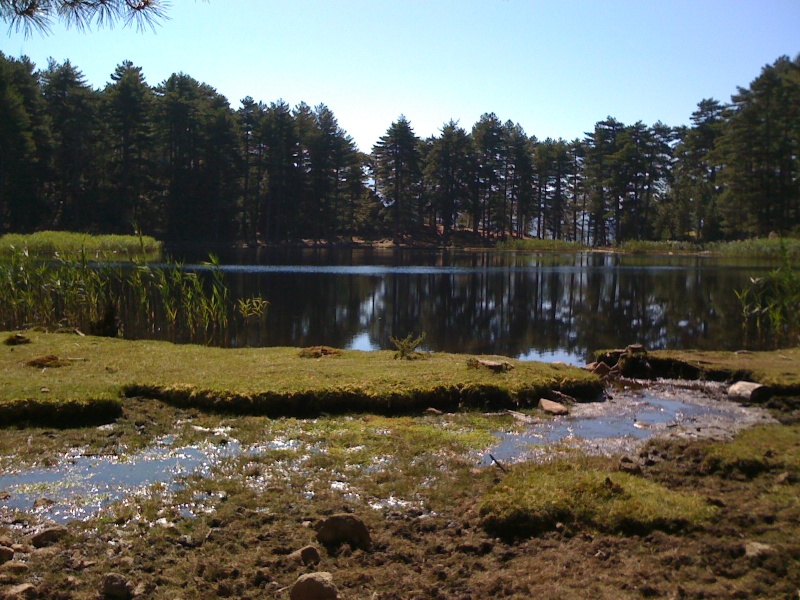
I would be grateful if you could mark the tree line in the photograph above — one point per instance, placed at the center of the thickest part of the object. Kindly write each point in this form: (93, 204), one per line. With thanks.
(176, 161)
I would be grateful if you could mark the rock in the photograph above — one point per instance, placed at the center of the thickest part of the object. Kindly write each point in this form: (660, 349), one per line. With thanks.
(116, 587)
(495, 366)
(15, 566)
(48, 536)
(314, 586)
(748, 391)
(561, 397)
(433, 411)
(554, 408)
(308, 555)
(344, 528)
(757, 549)
(6, 554)
(601, 369)
(20, 592)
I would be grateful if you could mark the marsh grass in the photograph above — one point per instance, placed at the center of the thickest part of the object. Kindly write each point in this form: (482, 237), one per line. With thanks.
(659, 247)
(771, 304)
(536, 245)
(114, 298)
(534, 498)
(50, 245)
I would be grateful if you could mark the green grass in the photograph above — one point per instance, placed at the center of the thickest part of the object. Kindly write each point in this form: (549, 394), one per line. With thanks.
(659, 247)
(270, 381)
(537, 245)
(68, 245)
(759, 248)
(757, 450)
(535, 498)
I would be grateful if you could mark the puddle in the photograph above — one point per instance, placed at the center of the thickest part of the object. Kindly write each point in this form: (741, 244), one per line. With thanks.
(628, 418)
(81, 486)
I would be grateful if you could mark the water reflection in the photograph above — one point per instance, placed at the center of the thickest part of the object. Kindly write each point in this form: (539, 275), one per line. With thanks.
(554, 307)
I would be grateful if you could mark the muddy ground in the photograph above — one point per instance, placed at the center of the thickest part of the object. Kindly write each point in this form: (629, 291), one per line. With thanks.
(223, 537)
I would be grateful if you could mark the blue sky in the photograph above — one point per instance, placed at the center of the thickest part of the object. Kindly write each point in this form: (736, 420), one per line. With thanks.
(555, 67)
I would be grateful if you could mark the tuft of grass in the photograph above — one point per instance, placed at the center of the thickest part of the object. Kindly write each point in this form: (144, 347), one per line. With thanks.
(757, 450)
(69, 245)
(535, 498)
(275, 381)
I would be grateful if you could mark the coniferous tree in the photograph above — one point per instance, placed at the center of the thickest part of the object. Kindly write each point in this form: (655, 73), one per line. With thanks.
(128, 112)
(75, 166)
(760, 152)
(448, 170)
(398, 173)
(24, 146)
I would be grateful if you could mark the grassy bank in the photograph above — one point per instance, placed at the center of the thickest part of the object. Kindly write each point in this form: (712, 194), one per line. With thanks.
(268, 381)
(68, 245)
(778, 369)
(772, 248)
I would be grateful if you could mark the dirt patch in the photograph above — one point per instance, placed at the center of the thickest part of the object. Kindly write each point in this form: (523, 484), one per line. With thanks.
(319, 352)
(48, 361)
(16, 339)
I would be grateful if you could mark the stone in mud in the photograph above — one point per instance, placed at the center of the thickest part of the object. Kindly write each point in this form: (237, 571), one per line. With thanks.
(314, 586)
(23, 591)
(600, 369)
(554, 408)
(308, 555)
(748, 391)
(561, 397)
(344, 528)
(758, 549)
(48, 536)
(6, 554)
(116, 587)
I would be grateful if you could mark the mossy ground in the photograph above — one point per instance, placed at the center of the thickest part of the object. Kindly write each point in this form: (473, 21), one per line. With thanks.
(271, 381)
(733, 516)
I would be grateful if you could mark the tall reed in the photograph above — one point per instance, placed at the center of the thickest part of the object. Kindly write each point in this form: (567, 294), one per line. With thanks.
(771, 304)
(165, 302)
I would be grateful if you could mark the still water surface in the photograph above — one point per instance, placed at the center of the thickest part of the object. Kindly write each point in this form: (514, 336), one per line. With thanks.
(529, 306)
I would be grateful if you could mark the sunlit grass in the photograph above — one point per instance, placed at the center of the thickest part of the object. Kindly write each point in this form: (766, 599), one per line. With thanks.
(534, 498)
(270, 381)
(69, 245)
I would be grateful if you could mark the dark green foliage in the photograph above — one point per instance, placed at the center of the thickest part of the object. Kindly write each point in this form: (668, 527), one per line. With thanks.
(182, 165)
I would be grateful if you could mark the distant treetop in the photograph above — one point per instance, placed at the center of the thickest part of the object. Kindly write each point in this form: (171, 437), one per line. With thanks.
(30, 15)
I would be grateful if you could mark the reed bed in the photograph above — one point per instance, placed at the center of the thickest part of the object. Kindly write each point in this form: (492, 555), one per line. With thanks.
(69, 245)
(164, 302)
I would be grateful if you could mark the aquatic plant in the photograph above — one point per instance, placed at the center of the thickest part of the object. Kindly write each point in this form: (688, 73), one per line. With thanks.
(109, 298)
(771, 304)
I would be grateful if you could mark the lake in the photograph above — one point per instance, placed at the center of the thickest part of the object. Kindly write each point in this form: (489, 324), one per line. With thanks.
(553, 307)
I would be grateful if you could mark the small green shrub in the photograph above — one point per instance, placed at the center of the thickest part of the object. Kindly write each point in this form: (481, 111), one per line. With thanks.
(407, 347)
